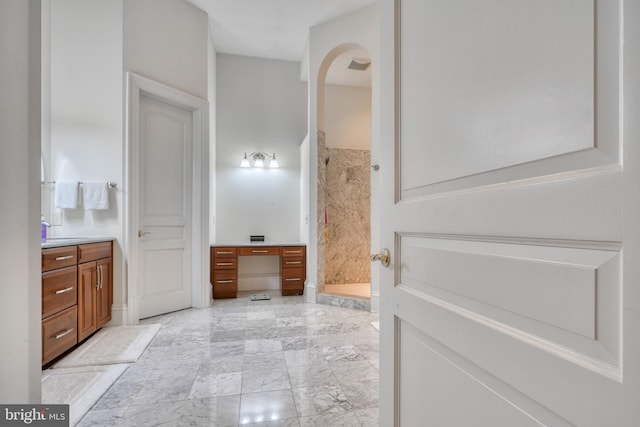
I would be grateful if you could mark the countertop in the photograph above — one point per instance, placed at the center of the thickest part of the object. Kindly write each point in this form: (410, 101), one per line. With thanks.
(55, 242)
(253, 244)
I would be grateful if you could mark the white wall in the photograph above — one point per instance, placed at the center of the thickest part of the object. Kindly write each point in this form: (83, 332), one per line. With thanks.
(211, 75)
(167, 41)
(86, 106)
(358, 29)
(20, 290)
(347, 118)
(93, 43)
(261, 106)
(304, 190)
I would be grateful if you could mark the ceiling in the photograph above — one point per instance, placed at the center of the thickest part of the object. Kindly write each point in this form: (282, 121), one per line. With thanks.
(278, 29)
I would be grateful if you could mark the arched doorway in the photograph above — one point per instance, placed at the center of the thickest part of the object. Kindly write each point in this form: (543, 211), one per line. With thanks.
(344, 178)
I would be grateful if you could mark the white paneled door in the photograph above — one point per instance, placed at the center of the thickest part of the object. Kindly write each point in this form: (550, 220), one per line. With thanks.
(164, 207)
(509, 187)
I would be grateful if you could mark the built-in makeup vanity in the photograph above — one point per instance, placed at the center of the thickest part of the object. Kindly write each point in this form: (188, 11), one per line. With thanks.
(77, 291)
(224, 266)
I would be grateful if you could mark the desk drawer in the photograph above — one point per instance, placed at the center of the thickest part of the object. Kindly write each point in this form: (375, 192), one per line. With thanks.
(293, 251)
(224, 276)
(225, 284)
(292, 278)
(59, 290)
(59, 334)
(293, 262)
(225, 263)
(262, 250)
(59, 257)
(224, 252)
(225, 288)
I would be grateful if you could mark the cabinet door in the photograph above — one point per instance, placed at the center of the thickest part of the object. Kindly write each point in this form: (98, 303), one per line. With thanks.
(104, 291)
(87, 293)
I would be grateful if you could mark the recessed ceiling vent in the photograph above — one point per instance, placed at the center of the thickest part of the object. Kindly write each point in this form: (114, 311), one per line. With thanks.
(359, 64)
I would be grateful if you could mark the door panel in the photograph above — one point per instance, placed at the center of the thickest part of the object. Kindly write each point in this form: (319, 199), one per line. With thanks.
(86, 299)
(165, 185)
(105, 292)
(428, 362)
(503, 302)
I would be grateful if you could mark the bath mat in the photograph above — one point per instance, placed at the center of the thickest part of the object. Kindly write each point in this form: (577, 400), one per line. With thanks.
(117, 344)
(80, 388)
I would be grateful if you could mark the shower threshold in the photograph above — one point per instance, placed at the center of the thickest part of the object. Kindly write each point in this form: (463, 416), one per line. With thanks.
(353, 290)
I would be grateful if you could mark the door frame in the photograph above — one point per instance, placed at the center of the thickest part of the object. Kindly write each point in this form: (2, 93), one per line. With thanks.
(137, 86)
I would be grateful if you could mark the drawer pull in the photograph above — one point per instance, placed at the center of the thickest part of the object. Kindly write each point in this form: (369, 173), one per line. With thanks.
(62, 258)
(293, 279)
(65, 333)
(224, 252)
(224, 281)
(255, 251)
(62, 291)
(224, 263)
(293, 262)
(292, 252)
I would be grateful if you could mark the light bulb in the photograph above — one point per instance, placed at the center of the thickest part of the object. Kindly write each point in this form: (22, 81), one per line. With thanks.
(274, 163)
(245, 162)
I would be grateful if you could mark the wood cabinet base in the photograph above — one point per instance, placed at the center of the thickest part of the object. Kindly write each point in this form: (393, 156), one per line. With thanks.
(224, 268)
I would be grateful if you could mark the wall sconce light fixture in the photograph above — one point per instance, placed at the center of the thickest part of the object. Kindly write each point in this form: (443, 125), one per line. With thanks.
(258, 160)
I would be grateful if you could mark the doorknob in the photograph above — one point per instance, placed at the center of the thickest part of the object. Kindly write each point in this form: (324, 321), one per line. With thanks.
(384, 257)
(142, 233)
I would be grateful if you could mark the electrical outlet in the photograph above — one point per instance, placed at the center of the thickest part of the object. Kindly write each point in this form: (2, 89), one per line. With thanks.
(56, 218)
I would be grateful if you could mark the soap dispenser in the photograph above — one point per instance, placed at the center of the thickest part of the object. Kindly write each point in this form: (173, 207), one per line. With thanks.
(43, 228)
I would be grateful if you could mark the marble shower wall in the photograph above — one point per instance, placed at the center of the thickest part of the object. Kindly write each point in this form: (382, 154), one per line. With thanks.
(322, 188)
(346, 226)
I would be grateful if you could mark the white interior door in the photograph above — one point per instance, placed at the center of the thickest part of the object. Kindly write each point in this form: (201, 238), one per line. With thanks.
(164, 207)
(512, 295)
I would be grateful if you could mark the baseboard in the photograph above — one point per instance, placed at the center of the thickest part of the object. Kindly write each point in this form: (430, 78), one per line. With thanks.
(310, 292)
(119, 315)
(375, 302)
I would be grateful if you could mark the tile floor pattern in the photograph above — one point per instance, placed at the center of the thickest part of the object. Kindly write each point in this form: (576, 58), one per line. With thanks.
(272, 363)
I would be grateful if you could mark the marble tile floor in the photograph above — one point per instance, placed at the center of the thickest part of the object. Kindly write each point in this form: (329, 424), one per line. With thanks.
(282, 362)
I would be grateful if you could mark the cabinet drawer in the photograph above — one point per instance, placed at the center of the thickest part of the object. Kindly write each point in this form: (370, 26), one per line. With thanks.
(292, 262)
(59, 290)
(225, 284)
(224, 252)
(261, 250)
(59, 257)
(94, 251)
(224, 275)
(292, 277)
(225, 264)
(224, 288)
(59, 334)
(293, 251)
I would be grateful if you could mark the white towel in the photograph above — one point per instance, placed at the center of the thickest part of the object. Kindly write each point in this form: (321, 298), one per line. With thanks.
(95, 195)
(66, 194)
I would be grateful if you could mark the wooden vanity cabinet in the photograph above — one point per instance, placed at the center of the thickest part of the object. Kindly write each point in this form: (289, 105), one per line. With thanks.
(95, 287)
(77, 294)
